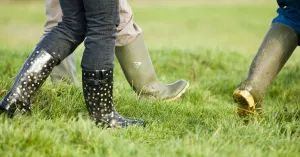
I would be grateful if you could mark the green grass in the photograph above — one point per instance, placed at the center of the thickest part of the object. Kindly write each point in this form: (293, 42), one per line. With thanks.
(211, 46)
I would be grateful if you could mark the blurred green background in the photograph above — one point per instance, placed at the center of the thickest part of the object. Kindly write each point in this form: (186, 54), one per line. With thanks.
(190, 24)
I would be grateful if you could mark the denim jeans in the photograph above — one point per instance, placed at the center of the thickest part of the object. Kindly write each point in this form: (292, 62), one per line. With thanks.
(289, 14)
(92, 20)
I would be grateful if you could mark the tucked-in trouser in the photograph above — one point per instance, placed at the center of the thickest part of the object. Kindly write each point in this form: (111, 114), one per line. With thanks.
(289, 14)
(126, 32)
(92, 20)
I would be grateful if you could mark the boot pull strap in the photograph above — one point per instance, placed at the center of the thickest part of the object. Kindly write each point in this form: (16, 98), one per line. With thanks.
(96, 77)
(99, 77)
(100, 74)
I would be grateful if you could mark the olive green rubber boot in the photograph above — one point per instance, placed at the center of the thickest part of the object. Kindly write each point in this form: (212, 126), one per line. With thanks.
(140, 74)
(275, 50)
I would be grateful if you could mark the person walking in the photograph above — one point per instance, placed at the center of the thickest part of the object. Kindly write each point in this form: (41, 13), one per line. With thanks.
(131, 52)
(95, 22)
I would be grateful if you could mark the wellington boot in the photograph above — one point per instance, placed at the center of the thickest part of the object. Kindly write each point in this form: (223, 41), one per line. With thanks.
(98, 93)
(140, 74)
(277, 47)
(33, 74)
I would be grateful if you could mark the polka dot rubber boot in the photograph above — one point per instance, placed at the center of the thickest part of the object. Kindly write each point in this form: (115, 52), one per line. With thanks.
(34, 72)
(98, 93)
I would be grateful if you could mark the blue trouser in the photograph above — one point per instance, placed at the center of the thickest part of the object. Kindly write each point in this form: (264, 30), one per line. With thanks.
(289, 14)
(92, 20)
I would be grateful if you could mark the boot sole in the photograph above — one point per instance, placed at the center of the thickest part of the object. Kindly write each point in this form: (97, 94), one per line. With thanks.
(179, 94)
(245, 101)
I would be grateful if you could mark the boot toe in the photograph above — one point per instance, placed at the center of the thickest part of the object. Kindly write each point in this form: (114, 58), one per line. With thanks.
(175, 90)
(139, 122)
(127, 123)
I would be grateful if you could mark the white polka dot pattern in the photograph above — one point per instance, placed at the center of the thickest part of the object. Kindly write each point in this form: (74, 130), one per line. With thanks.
(98, 92)
(34, 72)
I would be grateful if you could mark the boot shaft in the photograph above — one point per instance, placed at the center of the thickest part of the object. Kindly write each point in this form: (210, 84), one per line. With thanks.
(136, 64)
(275, 50)
(98, 92)
(32, 75)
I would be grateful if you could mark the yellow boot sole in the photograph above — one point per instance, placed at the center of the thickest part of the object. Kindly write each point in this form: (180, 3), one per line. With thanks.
(245, 101)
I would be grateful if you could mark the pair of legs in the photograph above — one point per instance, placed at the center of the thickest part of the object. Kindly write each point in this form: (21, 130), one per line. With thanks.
(95, 22)
(131, 52)
(278, 45)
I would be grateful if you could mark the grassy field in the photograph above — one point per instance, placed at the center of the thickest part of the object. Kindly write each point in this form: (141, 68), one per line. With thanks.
(209, 44)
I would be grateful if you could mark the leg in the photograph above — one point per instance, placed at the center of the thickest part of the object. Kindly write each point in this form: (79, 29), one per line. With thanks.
(56, 46)
(66, 70)
(277, 47)
(97, 63)
(136, 63)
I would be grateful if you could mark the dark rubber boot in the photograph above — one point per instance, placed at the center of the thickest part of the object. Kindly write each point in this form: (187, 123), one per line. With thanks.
(33, 74)
(277, 47)
(140, 74)
(98, 93)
